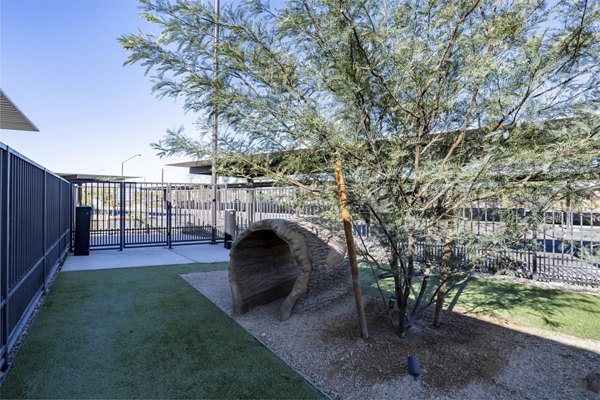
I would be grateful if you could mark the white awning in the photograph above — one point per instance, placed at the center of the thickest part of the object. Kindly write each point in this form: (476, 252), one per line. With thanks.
(12, 118)
(74, 176)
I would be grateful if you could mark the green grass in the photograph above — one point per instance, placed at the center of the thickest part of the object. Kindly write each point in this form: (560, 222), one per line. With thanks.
(143, 333)
(554, 310)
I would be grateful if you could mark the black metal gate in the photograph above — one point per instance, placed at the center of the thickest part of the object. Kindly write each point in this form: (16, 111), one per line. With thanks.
(136, 214)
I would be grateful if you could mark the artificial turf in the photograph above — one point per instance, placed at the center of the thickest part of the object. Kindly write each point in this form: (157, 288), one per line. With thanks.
(555, 310)
(143, 333)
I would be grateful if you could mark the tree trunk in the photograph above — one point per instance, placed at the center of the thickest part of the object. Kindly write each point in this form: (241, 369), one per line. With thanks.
(398, 280)
(339, 177)
(444, 273)
(405, 284)
(403, 321)
(417, 307)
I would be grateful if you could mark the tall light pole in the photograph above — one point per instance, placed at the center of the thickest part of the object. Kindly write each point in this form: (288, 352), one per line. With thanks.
(215, 125)
(123, 163)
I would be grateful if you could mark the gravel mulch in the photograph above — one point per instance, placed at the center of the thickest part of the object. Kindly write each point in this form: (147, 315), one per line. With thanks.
(467, 358)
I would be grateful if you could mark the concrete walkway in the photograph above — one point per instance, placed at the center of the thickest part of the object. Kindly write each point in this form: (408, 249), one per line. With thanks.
(146, 256)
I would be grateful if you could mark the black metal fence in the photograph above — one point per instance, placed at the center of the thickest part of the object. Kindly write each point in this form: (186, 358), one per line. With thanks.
(134, 214)
(34, 238)
(565, 248)
(256, 203)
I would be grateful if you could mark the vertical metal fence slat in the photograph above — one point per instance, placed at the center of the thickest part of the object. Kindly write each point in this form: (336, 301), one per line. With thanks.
(32, 239)
(44, 230)
(4, 255)
(122, 216)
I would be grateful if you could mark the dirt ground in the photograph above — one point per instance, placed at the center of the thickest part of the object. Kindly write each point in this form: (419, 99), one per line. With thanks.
(467, 358)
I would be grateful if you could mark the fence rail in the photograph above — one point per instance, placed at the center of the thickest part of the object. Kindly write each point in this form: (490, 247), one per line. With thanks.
(34, 238)
(256, 203)
(564, 248)
(133, 214)
(136, 214)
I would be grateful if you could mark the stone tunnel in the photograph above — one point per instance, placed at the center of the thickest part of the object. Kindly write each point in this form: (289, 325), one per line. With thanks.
(298, 260)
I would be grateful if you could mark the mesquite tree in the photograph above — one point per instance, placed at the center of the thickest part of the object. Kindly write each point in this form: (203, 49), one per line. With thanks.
(429, 106)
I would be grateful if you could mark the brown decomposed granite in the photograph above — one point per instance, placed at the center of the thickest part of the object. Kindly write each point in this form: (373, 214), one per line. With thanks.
(593, 382)
(467, 358)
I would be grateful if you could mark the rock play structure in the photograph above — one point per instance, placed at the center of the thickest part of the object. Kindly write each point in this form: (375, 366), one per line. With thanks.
(298, 260)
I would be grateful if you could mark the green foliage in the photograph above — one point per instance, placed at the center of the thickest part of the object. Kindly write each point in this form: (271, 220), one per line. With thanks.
(431, 106)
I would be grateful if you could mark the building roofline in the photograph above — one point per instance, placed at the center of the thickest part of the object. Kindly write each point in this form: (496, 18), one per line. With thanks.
(11, 117)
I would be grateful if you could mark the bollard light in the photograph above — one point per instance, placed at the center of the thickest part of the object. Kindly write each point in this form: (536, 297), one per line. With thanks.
(413, 367)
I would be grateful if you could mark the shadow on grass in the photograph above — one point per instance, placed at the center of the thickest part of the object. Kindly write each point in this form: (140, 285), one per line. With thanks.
(546, 308)
(561, 311)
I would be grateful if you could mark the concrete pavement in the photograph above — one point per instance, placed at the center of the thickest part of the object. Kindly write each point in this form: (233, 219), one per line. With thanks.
(146, 256)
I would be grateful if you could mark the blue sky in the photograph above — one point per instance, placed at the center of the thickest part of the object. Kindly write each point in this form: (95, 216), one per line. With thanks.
(61, 64)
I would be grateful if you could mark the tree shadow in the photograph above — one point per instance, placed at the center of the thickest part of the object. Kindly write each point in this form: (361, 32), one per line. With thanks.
(466, 356)
(521, 303)
(554, 308)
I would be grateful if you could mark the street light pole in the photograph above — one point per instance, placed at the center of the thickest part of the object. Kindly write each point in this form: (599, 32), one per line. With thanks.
(123, 163)
(215, 126)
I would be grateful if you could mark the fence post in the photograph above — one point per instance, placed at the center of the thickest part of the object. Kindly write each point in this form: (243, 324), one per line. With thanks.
(122, 215)
(534, 263)
(71, 214)
(169, 224)
(251, 199)
(214, 217)
(45, 230)
(214, 213)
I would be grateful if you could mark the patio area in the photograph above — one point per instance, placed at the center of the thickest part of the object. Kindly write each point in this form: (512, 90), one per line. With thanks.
(147, 256)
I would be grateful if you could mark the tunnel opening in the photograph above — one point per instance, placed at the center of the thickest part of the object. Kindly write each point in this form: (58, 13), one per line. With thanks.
(265, 269)
(298, 260)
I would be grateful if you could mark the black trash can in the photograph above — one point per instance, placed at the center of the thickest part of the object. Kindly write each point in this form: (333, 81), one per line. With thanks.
(82, 230)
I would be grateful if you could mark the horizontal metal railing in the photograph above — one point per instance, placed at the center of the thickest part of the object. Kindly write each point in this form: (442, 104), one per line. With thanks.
(34, 238)
(564, 247)
(134, 214)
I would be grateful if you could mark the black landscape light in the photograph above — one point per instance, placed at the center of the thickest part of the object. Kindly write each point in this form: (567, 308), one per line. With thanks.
(413, 366)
